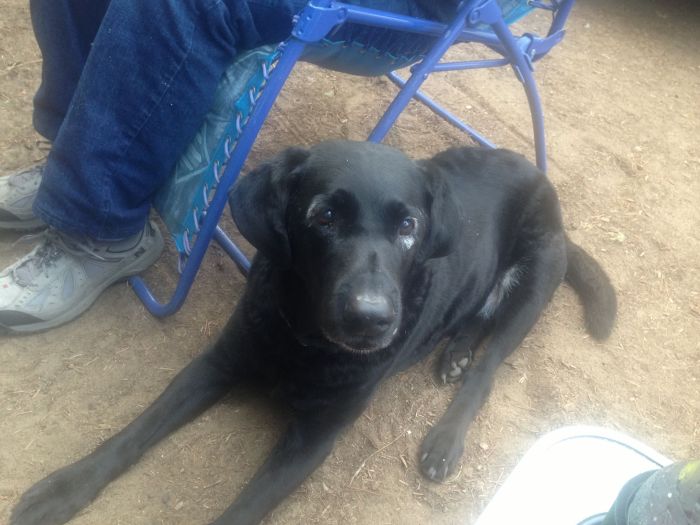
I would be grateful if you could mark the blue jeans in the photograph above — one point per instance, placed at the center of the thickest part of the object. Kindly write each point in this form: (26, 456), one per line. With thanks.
(125, 86)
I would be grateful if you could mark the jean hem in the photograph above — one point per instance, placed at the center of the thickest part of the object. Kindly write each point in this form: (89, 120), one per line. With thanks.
(43, 212)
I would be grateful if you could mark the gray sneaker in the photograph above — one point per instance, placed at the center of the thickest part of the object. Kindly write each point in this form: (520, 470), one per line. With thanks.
(61, 277)
(17, 194)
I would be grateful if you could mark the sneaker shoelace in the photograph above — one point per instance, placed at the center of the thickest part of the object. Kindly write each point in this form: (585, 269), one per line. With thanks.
(53, 246)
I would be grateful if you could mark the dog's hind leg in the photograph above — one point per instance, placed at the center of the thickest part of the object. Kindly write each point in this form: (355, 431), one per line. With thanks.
(513, 319)
(58, 497)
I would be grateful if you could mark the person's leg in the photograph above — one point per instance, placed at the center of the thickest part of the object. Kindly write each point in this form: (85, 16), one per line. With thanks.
(144, 90)
(64, 30)
(60, 277)
(145, 86)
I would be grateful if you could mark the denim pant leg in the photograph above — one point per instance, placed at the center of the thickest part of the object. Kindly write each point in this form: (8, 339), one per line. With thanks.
(144, 89)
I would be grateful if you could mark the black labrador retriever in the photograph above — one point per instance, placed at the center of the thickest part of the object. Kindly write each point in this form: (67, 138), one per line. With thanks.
(366, 261)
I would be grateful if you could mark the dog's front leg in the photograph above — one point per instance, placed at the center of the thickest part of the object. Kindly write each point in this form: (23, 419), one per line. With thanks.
(58, 497)
(303, 447)
(511, 322)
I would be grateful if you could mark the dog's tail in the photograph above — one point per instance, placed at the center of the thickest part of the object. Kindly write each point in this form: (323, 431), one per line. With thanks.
(592, 285)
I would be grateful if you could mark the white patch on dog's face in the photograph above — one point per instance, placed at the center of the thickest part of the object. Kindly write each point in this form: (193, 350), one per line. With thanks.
(314, 206)
(407, 242)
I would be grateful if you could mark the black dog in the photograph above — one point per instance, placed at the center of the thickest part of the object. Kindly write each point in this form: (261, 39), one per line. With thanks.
(366, 261)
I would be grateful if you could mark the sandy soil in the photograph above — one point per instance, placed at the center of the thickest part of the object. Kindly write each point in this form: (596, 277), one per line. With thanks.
(623, 120)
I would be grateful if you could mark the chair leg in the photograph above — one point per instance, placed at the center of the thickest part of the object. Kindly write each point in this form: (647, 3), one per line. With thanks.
(232, 249)
(421, 72)
(491, 14)
(561, 16)
(533, 98)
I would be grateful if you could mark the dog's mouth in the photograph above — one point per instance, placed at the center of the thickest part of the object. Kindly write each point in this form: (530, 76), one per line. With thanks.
(361, 344)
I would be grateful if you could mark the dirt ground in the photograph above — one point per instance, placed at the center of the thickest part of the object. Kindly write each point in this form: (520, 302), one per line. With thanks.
(622, 104)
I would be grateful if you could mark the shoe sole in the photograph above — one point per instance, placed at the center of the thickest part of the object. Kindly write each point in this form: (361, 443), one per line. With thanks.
(137, 266)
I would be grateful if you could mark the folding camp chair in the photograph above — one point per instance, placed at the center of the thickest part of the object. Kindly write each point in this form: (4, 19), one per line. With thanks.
(194, 201)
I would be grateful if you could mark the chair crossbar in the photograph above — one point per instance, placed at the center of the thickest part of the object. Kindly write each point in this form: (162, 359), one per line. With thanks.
(443, 113)
(470, 64)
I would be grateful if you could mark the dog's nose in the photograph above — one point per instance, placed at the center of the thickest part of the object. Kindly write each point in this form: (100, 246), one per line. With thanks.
(370, 314)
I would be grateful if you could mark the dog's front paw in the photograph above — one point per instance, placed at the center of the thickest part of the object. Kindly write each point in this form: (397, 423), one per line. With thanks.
(57, 498)
(453, 364)
(441, 451)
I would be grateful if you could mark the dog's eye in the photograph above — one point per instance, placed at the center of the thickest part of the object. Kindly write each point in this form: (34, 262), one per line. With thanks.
(407, 226)
(325, 217)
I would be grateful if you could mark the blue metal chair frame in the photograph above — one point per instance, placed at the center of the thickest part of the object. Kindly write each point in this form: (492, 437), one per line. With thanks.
(313, 24)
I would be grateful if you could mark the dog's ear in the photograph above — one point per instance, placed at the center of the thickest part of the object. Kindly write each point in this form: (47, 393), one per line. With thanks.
(443, 213)
(258, 203)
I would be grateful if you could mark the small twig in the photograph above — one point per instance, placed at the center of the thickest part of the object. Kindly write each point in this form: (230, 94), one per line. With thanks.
(357, 472)
(16, 65)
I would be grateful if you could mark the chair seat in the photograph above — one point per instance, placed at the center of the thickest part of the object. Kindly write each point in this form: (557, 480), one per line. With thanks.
(182, 202)
(358, 56)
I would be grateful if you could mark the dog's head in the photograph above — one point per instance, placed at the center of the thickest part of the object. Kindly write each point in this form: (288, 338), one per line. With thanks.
(351, 219)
